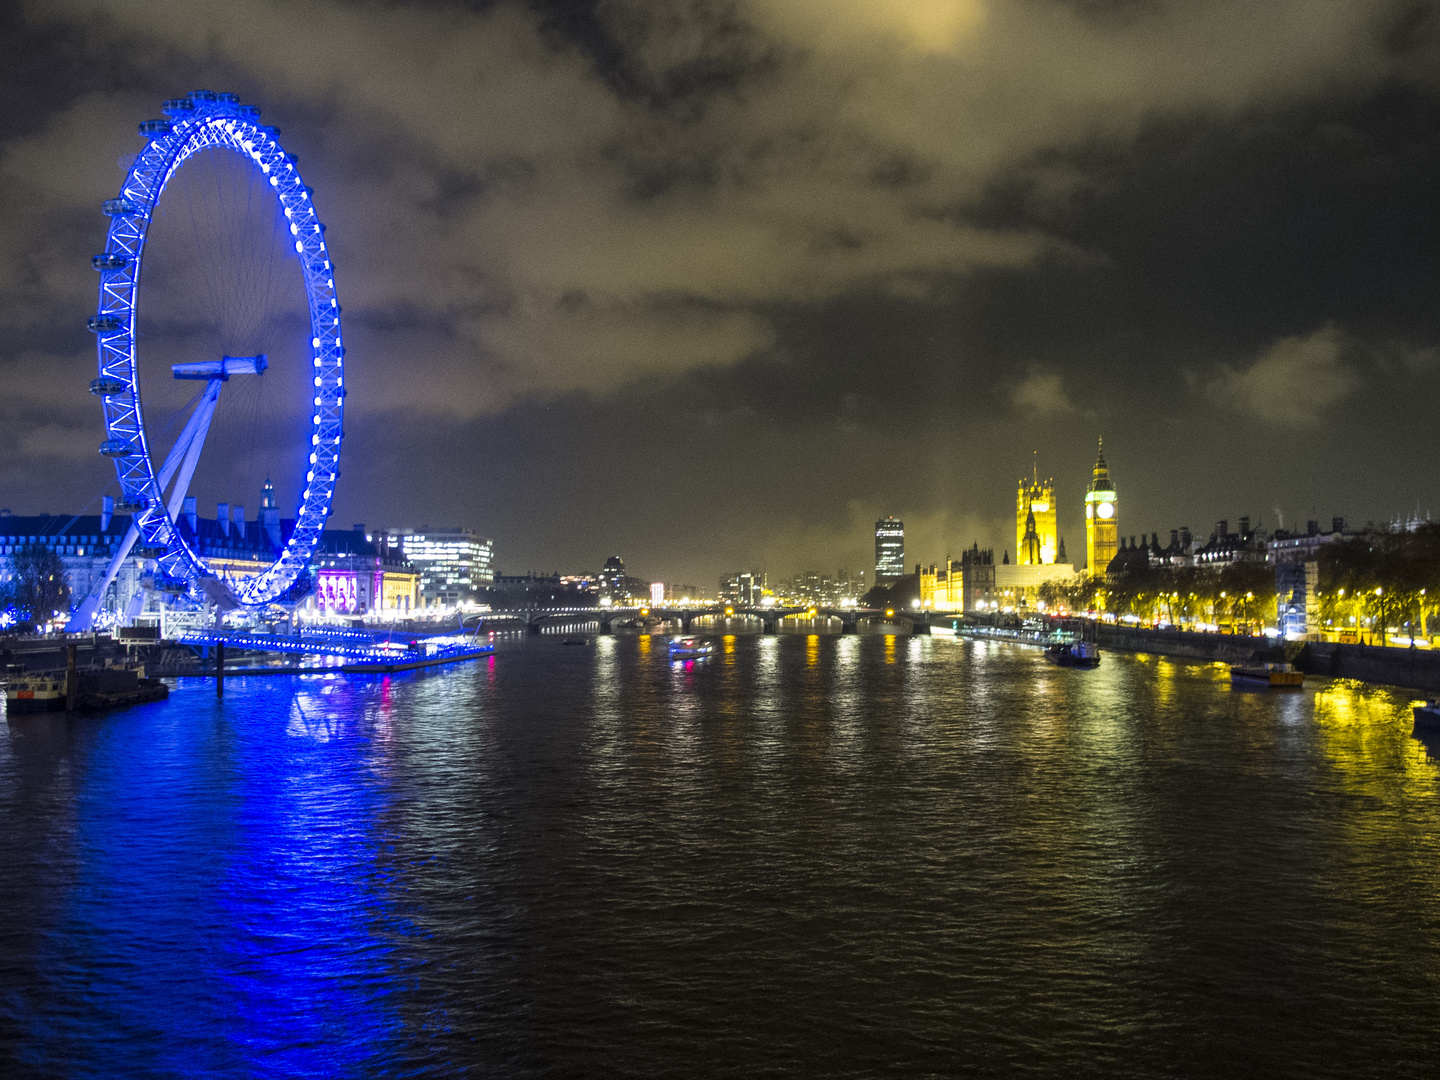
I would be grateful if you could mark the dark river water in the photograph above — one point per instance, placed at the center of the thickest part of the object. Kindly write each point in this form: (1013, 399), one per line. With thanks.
(806, 856)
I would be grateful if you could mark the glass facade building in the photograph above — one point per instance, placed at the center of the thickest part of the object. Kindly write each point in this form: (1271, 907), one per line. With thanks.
(889, 549)
(612, 579)
(747, 587)
(453, 563)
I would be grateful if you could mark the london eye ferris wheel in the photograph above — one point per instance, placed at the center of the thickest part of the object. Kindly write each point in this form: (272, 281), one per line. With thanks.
(238, 297)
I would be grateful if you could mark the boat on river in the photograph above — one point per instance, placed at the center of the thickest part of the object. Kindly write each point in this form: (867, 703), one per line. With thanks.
(1077, 654)
(1029, 634)
(1427, 717)
(95, 688)
(35, 692)
(1274, 676)
(690, 648)
(1062, 648)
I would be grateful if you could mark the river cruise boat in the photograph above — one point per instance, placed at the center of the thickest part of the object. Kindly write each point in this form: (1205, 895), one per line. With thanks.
(1076, 654)
(690, 648)
(1275, 676)
(35, 692)
(96, 688)
(1427, 717)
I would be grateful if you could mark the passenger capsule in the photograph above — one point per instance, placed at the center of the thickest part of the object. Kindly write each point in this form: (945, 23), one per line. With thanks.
(174, 585)
(151, 128)
(204, 95)
(178, 107)
(110, 261)
(117, 448)
(105, 324)
(130, 506)
(108, 387)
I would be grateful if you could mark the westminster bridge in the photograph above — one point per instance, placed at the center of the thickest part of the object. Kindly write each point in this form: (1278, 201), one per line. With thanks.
(767, 619)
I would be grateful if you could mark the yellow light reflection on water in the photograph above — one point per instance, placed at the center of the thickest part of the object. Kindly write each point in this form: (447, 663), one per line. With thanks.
(644, 644)
(812, 650)
(1364, 731)
(889, 648)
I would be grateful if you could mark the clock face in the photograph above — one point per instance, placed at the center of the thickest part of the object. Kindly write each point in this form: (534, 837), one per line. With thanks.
(1089, 511)
(1106, 510)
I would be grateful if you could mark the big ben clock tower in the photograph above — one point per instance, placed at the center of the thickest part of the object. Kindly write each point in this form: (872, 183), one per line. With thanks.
(1102, 530)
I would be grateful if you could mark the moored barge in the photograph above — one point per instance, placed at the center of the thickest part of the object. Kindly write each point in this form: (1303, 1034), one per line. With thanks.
(1275, 676)
(95, 689)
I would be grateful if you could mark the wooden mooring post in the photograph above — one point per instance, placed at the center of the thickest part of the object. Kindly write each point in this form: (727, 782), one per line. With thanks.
(220, 670)
(72, 677)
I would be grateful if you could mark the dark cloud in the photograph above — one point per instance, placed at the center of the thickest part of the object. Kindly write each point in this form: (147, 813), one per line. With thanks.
(714, 284)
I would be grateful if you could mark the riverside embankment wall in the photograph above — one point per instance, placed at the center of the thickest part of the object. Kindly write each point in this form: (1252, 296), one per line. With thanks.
(1413, 669)
(1227, 648)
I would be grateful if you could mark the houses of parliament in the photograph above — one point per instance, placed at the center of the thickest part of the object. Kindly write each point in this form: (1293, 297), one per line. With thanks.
(1037, 539)
(975, 582)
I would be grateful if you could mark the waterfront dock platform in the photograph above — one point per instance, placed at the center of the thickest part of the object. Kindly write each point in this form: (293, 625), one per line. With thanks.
(359, 652)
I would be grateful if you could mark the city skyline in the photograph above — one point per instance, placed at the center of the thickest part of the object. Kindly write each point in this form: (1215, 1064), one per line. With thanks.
(1220, 261)
(720, 537)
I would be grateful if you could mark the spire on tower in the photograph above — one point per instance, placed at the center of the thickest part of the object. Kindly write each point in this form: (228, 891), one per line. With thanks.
(1032, 541)
(1100, 478)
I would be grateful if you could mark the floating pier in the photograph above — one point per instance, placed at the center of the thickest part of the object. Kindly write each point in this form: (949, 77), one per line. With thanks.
(360, 652)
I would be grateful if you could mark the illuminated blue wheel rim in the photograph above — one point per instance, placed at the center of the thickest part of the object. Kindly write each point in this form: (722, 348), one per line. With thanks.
(199, 122)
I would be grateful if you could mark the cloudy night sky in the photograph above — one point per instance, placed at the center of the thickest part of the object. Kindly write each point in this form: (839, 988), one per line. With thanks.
(715, 284)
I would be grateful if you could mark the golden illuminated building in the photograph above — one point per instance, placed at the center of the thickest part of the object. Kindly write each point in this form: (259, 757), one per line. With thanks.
(1035, 532)
(1102, 528)
(942, 587)
(1017, 588)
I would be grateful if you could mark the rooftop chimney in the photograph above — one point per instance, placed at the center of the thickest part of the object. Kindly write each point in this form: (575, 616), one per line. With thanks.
(222, 515)
(107, 511)
(1222, 528)
(1244, 525)
(1312, 528)
(187, 508)
(1337, 524)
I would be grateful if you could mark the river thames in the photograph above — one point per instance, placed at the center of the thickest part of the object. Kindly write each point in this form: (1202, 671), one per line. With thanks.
(805, 856)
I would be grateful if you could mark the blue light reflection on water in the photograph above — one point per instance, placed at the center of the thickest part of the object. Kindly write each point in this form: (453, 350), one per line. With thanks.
(230, 904)
(803, 854)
